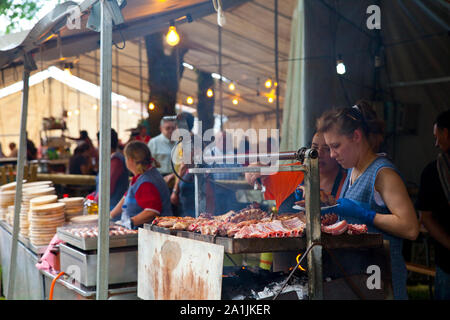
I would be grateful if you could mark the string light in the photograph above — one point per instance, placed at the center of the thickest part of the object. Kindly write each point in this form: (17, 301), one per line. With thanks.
(151, 106)
(77, 112)
(69, 113)
(172, 36)
(189, 100)
(268, 83)
(340, 66)
(235, 101)
(209, 93)
(232, 86)
(270, 99)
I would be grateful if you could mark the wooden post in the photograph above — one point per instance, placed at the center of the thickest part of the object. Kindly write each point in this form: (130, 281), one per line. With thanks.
(3, 178)
(11, 174)
(313, 232)
(33, 172)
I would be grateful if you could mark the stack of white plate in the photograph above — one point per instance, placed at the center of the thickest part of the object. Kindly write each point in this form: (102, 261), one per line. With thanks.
(45, 219)
(27, 195)
(35, 202)
(10, 215)
(74, 207)
(7, 197)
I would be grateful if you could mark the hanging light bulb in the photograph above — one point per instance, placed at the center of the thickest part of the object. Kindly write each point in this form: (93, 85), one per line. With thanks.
(221, 20)
(209, 93)
(77, 112)
(235, 101)
(172, 36)
(268, 83)
(69, 113)
(270, 99)
(67, 69)
(151, 106)
(340, 66)
(232, 86)
(189, 100)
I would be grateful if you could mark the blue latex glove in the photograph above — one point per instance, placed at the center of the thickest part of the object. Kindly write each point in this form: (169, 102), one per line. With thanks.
(298, 193)
(349, 208)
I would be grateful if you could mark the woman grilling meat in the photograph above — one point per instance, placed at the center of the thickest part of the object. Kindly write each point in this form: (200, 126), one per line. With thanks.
(148, 195)
(373, 193)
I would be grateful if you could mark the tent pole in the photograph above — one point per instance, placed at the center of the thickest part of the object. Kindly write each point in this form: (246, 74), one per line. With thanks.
(19, 181)
(105, 151)
(277, 87)
(141, 98)
(221, 77)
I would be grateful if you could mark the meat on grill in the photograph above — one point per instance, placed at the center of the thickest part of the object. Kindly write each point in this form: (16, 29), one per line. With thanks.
(356, 228)
(255, 223)
(335, 229)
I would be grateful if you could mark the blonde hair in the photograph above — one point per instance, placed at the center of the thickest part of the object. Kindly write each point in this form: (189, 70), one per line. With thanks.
(140, 153)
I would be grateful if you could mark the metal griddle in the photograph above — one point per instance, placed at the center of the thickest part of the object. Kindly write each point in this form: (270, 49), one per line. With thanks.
(91, 243)
(257, 245)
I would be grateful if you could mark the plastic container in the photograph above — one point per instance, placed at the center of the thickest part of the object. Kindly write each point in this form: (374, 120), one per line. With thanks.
(90, 206)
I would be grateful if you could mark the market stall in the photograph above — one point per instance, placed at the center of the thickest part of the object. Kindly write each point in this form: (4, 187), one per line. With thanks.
(252, 230)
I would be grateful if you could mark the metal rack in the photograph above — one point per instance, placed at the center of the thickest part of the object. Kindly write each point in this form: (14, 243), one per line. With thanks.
(310, 167)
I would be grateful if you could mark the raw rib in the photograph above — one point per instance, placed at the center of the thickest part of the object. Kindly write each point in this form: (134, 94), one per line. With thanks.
(336, 229)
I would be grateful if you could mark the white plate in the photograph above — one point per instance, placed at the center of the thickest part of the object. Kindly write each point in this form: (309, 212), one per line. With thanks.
(296, 207)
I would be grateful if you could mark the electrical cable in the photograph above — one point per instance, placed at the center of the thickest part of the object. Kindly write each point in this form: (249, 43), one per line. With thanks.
(180, 139)
(52, 287)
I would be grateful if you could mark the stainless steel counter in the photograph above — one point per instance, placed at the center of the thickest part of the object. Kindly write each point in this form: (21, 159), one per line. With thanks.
(67, 289)
(28, 280)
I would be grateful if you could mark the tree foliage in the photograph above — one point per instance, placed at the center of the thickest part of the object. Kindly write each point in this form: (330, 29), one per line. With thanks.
(16, 11)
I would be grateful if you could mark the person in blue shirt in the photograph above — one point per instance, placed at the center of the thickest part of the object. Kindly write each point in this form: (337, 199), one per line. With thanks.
(374, 192)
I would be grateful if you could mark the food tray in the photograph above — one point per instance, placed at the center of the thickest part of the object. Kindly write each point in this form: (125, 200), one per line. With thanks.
(91, 243)
(257, 245)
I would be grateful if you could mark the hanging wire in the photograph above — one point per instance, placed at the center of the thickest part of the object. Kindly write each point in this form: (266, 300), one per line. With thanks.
(123, 40)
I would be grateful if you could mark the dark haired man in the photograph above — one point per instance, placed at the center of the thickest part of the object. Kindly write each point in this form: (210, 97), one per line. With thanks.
(434, 204)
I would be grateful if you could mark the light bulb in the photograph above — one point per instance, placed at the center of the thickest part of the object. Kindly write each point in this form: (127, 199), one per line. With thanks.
(151, 106)
(340, 67)
(172, 36)
(235, 101)
(209, 93)
(189, 100)
(221, 21)
(268, 83)
(232, 86)
(76, 111)
(270, 99)
(69, 113)
(94, 107)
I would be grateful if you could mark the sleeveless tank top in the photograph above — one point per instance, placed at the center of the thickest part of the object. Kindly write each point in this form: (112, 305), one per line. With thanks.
(362, 191)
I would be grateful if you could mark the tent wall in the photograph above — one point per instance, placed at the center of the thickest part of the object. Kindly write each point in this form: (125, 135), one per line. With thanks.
(416, 50)
(49, 98)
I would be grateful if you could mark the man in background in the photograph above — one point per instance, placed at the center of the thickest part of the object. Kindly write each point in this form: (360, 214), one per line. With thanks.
(433, 204)
(161, 148)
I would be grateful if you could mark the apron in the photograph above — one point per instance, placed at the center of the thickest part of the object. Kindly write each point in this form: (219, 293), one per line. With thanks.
(130, 206)
(362, 192)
